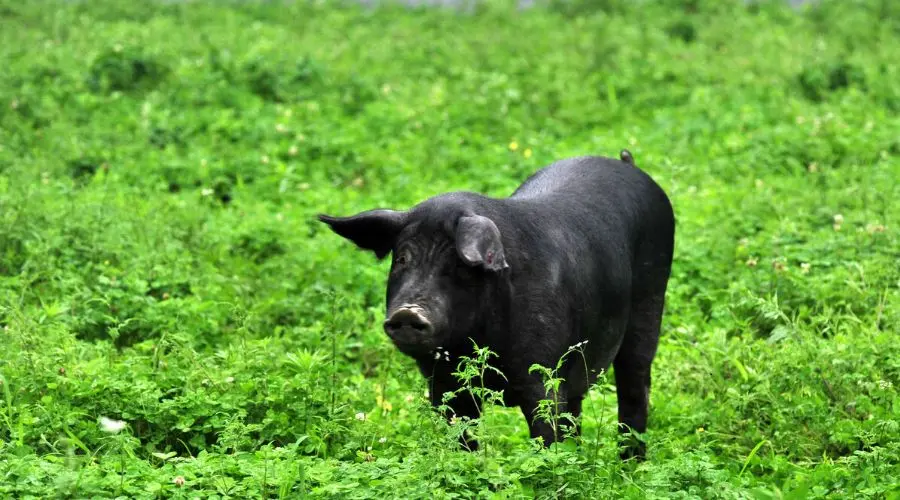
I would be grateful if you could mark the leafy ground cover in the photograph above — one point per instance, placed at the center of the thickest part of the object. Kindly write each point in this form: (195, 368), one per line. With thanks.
(161, 165)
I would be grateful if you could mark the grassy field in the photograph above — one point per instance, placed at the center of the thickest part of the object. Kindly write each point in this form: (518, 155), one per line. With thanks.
(161, 165)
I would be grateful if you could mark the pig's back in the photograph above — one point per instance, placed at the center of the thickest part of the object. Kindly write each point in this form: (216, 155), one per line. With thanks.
(593, 212)
(588, 176)
(591, 190)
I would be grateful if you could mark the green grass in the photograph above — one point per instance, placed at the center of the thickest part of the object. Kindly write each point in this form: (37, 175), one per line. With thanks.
(161, 165)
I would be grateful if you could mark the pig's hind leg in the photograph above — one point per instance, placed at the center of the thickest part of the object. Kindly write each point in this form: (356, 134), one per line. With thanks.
(632, 363)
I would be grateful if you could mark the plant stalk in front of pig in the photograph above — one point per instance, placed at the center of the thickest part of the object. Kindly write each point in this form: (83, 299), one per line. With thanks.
(581, 251)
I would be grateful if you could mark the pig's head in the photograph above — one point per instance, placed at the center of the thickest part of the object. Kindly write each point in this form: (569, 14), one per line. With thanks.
(447, 271)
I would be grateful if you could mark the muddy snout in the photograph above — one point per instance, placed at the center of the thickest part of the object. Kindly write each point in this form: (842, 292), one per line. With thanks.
(409, 326)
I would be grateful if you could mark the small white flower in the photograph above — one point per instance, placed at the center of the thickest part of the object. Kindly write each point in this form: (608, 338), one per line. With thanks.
(229, 380)
(360, 416)
(207, 192)
(437, 354)
(382, 440)
(111, 426)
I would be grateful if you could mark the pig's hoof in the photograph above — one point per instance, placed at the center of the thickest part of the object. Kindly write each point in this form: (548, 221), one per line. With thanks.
(468, 444)
(633, 449)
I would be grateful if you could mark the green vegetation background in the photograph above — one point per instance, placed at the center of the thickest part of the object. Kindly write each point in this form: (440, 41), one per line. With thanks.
(161, 164)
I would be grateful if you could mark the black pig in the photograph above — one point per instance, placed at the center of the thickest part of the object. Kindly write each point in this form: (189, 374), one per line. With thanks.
(581, 251)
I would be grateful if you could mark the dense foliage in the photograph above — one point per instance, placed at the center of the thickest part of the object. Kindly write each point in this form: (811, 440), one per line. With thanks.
(161, 164)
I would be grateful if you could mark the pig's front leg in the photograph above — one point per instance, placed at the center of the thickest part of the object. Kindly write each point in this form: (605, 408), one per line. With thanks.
(462, 404)
(550, 429)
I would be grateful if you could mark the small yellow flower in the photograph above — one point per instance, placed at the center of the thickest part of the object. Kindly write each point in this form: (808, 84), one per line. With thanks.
(804, 267)
(527, 153)
(752, 261)
(513, 146)
(701, 429)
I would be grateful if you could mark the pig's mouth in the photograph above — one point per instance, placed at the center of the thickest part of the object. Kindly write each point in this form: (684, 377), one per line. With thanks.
(410, 329)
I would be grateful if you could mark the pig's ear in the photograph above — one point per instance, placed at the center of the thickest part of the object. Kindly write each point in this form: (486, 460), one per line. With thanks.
(478, 243)
(374, 230)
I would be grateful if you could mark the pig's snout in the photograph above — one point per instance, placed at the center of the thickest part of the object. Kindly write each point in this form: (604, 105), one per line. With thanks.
(408, 321)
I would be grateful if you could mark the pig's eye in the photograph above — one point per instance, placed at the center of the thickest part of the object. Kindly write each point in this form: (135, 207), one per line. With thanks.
(401, 259)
